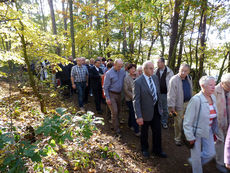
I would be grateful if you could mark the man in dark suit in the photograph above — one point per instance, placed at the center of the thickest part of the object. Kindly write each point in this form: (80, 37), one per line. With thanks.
(147, 107)
(95, 79)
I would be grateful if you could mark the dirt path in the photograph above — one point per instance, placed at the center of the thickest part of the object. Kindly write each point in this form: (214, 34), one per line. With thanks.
(128, 146)
(177, 156)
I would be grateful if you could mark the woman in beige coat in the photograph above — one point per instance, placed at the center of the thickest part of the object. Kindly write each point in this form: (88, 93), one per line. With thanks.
(222, 93)
(128, 86)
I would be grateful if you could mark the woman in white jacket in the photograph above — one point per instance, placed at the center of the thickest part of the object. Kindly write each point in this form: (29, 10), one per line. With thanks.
(200, 123)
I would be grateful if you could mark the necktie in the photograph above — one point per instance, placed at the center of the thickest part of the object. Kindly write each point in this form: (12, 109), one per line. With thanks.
(152, 90)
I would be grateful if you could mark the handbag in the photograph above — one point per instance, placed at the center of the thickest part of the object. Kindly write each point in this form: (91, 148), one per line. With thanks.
(186, 142)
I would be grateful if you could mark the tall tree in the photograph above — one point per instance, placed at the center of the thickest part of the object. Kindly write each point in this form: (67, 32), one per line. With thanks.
(54, 28)
(72, 28)
(174, 32)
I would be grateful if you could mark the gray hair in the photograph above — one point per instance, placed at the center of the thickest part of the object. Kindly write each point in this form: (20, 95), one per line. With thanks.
(185, 65)
(225, 78)
(118, 61)
(205, 79)
(145, 64)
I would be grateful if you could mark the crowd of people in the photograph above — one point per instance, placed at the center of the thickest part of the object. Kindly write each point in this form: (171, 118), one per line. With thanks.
(151, 96)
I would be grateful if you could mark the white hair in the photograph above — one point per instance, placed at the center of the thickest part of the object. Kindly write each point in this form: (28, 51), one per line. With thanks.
(225, 78)
(145, 64)
(139, 68)
(205, 79)
(118, 61)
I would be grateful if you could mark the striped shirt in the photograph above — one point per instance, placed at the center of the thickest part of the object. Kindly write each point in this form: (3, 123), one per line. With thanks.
(80, 73)
(212, 114)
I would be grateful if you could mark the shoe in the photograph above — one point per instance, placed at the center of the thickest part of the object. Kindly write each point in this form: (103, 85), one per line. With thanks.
(190, 161)
(82, 109)
(138, 134)
(178, 143)
(165, 126)
(145, 154)
(122, 121)
(161, 155)
(221, 168)
(131, 128)
(118, 133)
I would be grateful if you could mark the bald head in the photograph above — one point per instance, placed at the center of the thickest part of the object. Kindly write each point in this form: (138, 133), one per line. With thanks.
(118, 64)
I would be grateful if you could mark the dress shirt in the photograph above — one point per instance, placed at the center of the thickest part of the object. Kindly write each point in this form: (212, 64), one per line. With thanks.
(114, 81)
(154, 86)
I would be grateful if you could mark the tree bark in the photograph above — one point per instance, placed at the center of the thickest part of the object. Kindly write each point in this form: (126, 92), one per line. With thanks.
(181, 31)
(72, 28)
(106, 26)
(131, 39)
(31, 76)
(151, 46)
(54, 28)
(124, 49)
(43, 17)
(140, 38)
(180, 53)
(173, 37)
(221, 71)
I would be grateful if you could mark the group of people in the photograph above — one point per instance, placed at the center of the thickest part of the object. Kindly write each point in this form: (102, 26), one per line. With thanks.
(151, 96)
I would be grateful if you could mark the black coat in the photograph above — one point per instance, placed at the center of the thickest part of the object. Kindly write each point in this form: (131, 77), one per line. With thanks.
(95, 78)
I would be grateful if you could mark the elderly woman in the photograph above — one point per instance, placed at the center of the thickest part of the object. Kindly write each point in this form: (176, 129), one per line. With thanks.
(222, 93)
(128, 86)
(200, 123)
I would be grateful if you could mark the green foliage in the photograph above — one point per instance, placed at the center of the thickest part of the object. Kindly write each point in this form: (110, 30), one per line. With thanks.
(16, 152)
(58, 127)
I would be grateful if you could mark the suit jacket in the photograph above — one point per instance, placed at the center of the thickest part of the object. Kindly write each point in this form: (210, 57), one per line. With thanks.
(143, 99)
(95, 78)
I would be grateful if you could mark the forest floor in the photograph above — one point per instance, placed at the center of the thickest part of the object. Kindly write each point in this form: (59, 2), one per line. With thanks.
(127, 147)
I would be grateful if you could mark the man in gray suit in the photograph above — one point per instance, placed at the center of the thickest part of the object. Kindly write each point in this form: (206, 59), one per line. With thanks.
(147, 107)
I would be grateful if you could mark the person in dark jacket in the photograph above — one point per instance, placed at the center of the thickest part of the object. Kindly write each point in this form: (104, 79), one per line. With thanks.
(95, 78)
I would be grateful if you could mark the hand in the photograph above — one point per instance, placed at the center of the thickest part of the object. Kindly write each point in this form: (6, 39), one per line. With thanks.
(192, 142)
(140, 121)
(108, 101)
(171, 109)
(227, 166)
(74, 86)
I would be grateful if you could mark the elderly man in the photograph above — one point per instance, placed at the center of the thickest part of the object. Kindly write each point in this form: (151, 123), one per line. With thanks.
(147, 105)
(164, 74)
(113, 84)
(222, 93)
(179, 94)
(79, 80)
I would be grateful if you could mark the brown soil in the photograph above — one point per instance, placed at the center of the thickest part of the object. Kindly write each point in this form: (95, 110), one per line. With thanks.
(127, 147)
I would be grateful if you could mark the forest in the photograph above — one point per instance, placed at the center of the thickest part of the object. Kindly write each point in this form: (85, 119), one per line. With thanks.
(42, 132)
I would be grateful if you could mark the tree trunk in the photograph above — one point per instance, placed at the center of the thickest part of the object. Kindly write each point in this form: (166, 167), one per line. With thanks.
(54, 28)
(31, 76)
(221, 71)
(173, 37)
(124, 49)
(107, 26)
(131, 40)
(151, 46)
(43, 17)
(180, 53)
(181, 31)
(98, 27)
(190, 40)
(140, 38)
(72, 28)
